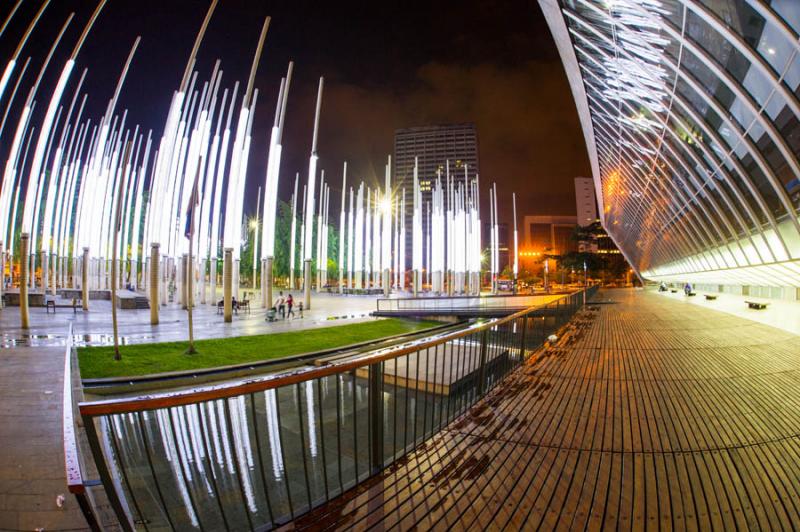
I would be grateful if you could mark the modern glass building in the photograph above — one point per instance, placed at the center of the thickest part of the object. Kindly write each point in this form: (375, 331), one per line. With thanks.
(433, 147)
(691, 117)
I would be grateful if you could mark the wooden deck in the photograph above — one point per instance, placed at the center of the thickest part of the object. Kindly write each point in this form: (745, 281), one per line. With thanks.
(652, 413)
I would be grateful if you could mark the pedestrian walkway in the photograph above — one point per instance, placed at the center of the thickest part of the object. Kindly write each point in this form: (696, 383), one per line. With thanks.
(648, 413)
(32, 458)
(779, 313)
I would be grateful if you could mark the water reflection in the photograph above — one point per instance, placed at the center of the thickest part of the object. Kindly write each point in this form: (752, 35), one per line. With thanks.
(261, 459)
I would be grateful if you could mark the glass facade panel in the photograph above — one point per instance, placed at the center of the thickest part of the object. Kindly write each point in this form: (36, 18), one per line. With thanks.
(696, 126)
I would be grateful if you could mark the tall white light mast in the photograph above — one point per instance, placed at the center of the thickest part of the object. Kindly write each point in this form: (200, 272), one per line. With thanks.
(309, 214)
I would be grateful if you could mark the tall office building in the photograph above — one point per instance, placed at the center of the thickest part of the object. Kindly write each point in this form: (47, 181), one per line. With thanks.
(434, 146)
(585, 202)
(549, 235)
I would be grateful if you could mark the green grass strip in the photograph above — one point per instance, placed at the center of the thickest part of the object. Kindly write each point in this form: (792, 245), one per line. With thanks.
(145, 359)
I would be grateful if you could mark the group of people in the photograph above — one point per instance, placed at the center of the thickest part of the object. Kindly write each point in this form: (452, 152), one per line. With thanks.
(285, 306)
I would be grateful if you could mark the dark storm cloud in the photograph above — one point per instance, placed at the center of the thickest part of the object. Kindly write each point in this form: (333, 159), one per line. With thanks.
(387, 65)
(526, 127)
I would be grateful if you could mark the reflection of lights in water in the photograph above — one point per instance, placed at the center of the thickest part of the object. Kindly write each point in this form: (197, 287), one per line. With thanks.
(211, 421)
(244, 456)
(273, 428)
(170, 451)
(188, 416)
(223, 428)
(341, 398)
(312, 428)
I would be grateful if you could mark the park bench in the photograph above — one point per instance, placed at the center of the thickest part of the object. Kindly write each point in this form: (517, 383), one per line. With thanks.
(710, 297)
(674, 290)
(244, 304)
(690, 294)
(757, 305)
(75, 305)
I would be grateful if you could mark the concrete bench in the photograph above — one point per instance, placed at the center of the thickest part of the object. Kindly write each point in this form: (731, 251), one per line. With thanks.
(758, 305)
(710, 297)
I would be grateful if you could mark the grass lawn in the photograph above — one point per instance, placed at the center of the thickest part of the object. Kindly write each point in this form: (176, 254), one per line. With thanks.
(144, 359)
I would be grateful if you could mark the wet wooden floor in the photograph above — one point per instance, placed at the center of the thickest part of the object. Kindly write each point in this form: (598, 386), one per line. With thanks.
(653, 413)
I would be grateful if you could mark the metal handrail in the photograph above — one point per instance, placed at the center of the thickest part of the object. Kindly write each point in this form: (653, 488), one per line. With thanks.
(72, 464)
(231, 389)
(438, 303)
(255, 449)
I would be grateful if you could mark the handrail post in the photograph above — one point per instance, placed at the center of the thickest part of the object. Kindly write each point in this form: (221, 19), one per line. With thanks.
(482, 367)
(522, 346)
(376, 408)
(102, 469)
(75, 483)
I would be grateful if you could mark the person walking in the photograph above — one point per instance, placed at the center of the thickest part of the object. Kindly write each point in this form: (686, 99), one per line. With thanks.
(280, 306)
(289, 305)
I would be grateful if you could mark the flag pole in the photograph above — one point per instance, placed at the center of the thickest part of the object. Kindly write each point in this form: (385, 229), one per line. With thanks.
(189, 265)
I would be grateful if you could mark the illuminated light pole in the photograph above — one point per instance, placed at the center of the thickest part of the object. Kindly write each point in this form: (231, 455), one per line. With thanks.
(372, 249)
(368, 252)
(10, 174)
(239, 160)
(254, 225)
(359, 238)
(303, 229)
(227, 285)
(386, 238)
(24, 317)
(293, 236)
(85, 280)
(325, 226)
(155, 266)
(350, 242)
(516, 241)
(546, 271)
(493, 243)
(271, 190)
(320, 215)
(36, 177)
(309, 214)
(396, 235)
(495, 235)
(402, 260)
(342, 234)
(585, 282)
(416, 235)
(9, 70)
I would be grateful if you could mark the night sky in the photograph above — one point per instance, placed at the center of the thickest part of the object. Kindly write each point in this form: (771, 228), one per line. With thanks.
(387, 65)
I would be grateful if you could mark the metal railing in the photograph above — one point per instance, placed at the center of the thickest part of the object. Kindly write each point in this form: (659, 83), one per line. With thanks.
(253, 454)
(72, 464)
(456, 303)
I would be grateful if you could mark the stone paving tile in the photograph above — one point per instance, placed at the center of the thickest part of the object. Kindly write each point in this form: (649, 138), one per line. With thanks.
(32, 462)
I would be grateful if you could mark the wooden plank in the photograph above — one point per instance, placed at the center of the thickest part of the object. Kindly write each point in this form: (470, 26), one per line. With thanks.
(656, 415)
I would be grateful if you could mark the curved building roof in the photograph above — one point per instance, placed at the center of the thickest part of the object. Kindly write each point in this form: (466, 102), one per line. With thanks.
(691, 114)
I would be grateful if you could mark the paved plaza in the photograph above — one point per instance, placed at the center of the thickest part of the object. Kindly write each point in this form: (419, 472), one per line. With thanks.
(656, 409)
(94, 327)
(651, 412)
(31, 381)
